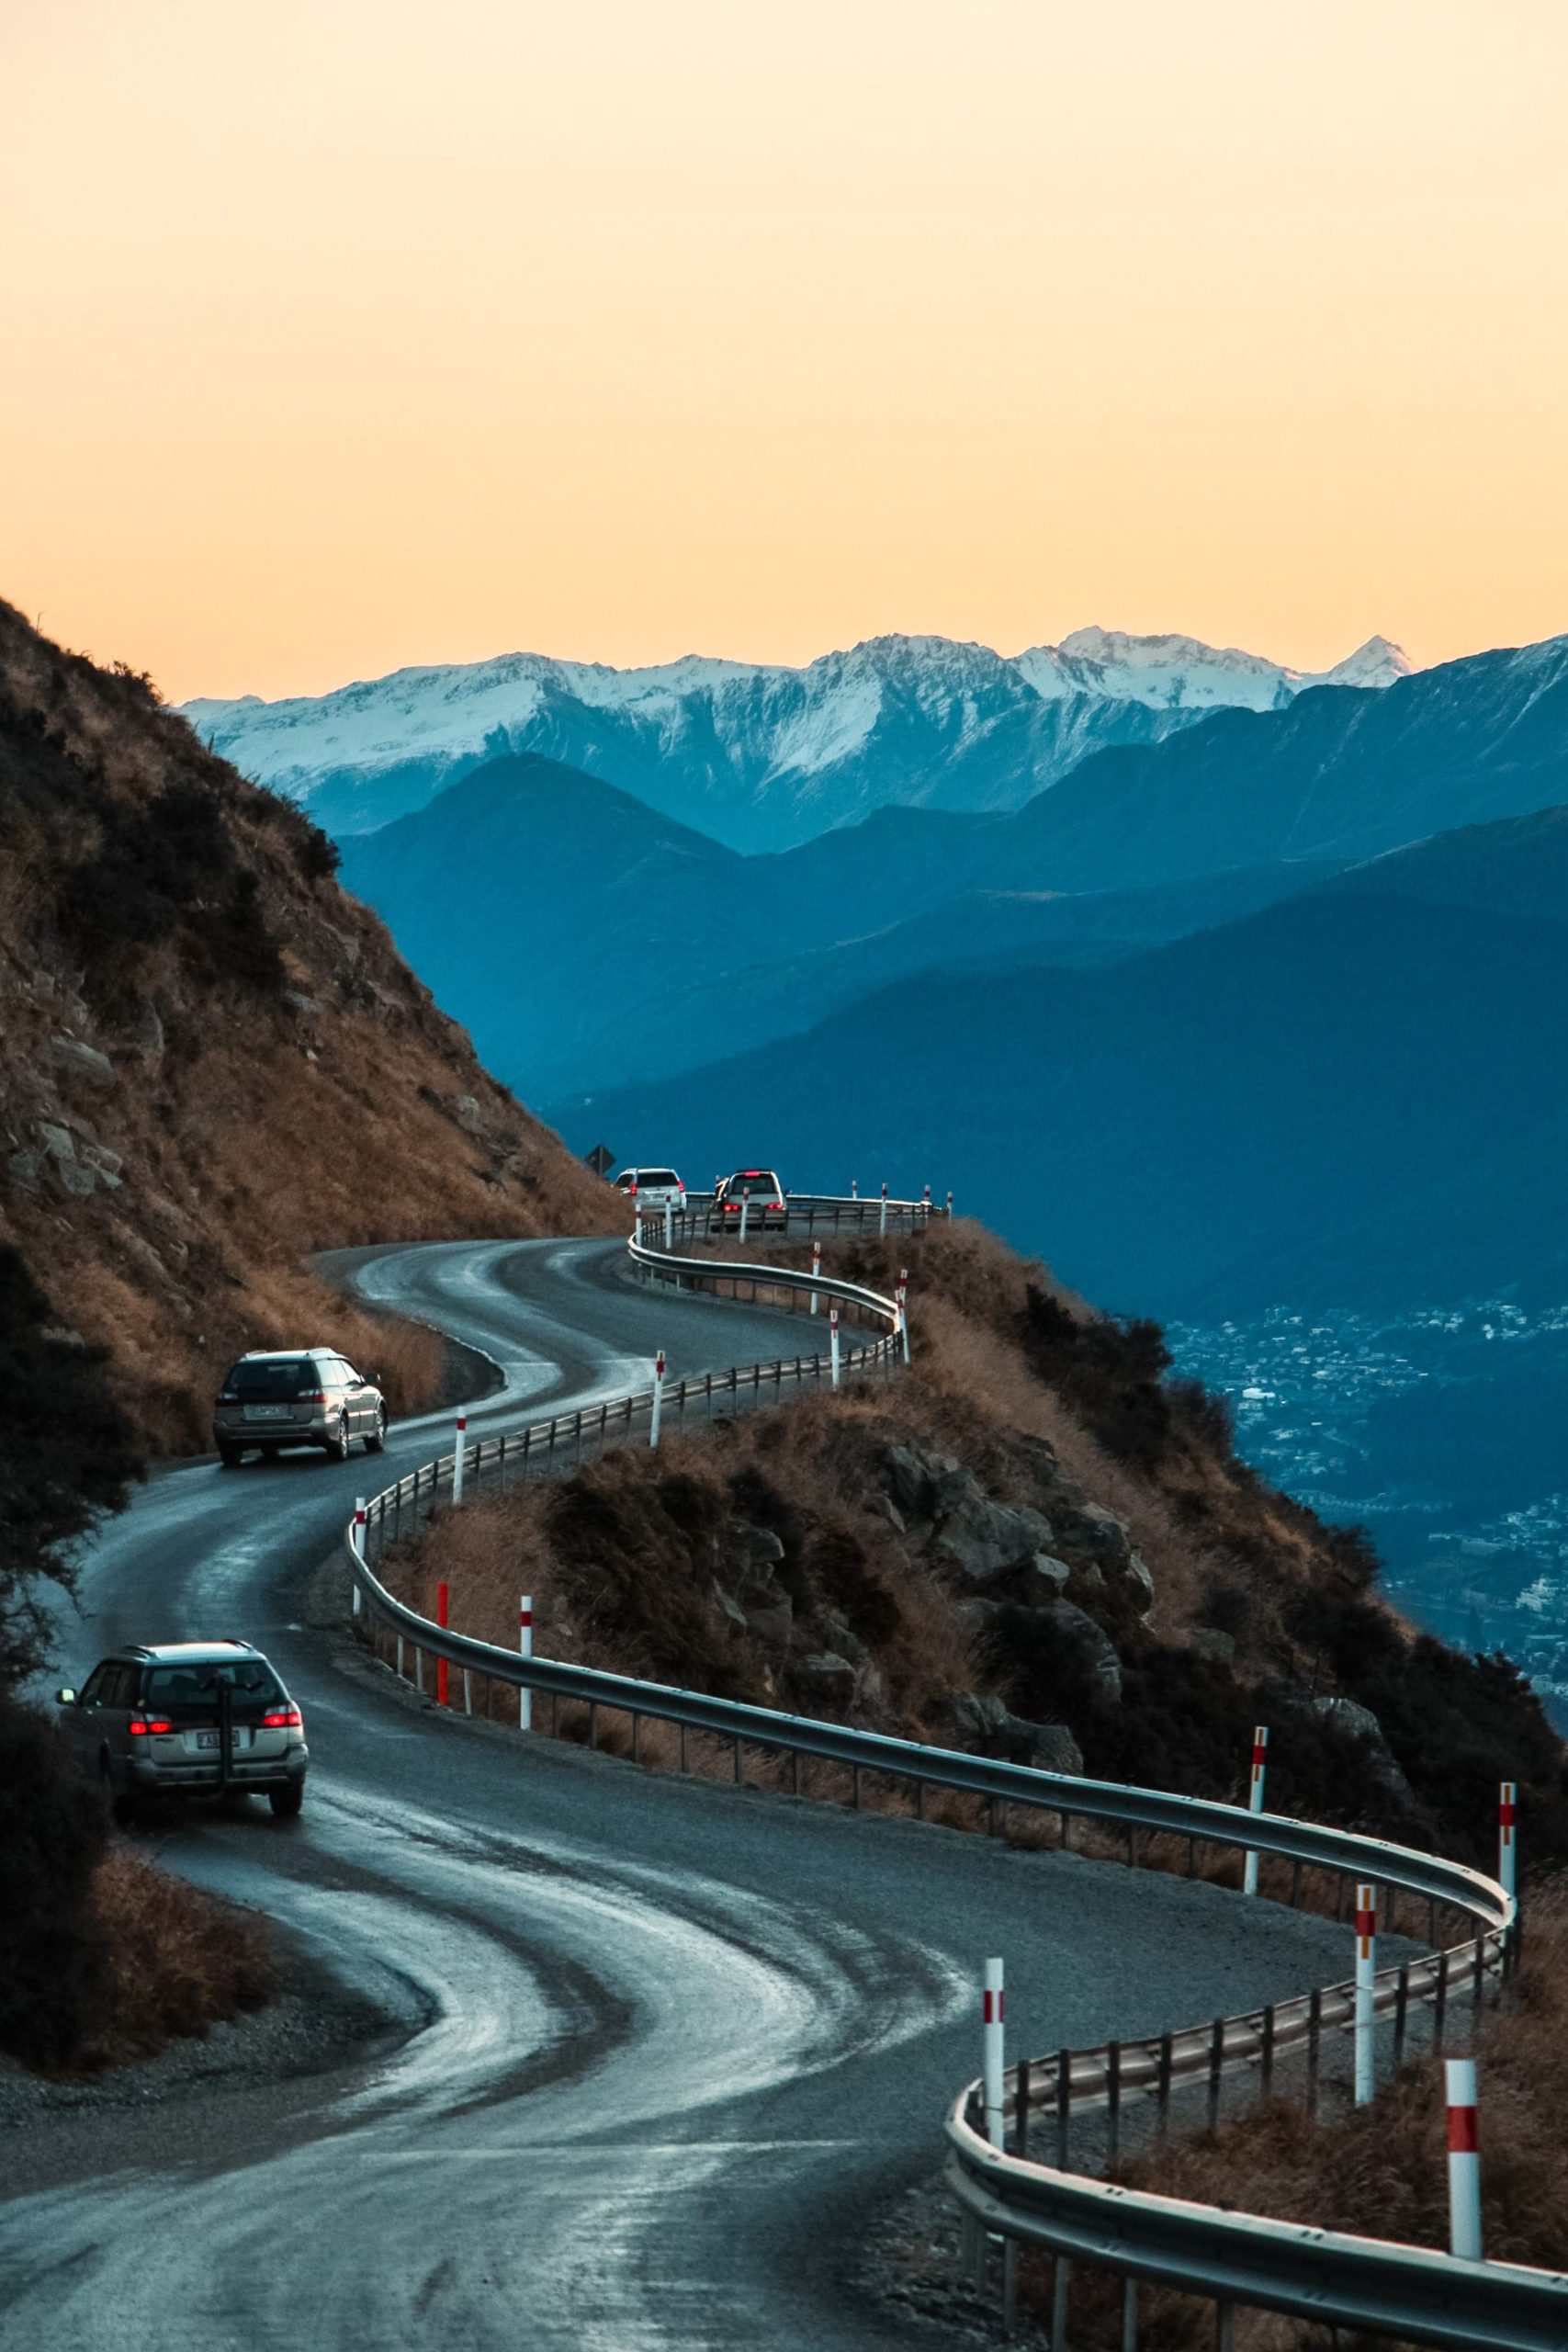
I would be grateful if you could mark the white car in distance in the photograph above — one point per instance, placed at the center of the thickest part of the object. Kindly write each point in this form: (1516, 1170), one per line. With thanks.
(652, 1190)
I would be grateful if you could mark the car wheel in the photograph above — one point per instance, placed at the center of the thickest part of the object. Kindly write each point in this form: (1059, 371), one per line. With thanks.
(336, 1447)
(286, 1803)
(231, 1456)
(378, 1436)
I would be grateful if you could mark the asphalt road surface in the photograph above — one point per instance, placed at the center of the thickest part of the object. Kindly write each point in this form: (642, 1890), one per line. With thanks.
(667, 2045)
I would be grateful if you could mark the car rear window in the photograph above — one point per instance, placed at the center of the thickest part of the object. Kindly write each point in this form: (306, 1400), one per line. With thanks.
(271, 1379)
(762, 1178)
(658, 1176)
(193, 1686)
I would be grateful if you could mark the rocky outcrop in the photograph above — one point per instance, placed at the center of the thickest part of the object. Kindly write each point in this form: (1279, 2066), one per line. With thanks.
(986, 1722)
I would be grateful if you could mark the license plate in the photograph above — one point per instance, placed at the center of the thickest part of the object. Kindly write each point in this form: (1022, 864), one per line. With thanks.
(207, 1739)
(266, 1412)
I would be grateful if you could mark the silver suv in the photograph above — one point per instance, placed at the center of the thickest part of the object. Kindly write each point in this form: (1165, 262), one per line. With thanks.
(297, 1397)
(188, 1719)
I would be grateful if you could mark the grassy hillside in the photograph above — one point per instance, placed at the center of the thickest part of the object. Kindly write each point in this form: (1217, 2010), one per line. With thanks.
(1039, 1544)
(211, 1060)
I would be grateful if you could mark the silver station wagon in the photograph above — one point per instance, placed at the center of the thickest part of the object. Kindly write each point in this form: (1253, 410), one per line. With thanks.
(188, 1719)
(280, 1398)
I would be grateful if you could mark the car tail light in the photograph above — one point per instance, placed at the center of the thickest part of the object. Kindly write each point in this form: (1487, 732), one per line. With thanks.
(311, 1396)
(283, 1719)
(143, 1727)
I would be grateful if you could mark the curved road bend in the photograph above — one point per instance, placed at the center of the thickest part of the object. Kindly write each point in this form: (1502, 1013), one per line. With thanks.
(677, 2039)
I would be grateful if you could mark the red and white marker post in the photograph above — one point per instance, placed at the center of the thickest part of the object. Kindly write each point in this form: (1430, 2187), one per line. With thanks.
(443, 1604)
(854, 1188)
(882, 1221)
(525, 1649)
(1507, 1841)
(833, 1341)
(950, 1203)
(1255, 1803)
(1464, 2161)
(658, 1400)
(926, 1198)
(745, 1208)
(994, 2017)
(460, 1452)
(1366, 1981)
(359, 1541)
(668, 1224)
(903, 1303)
(815, 1269)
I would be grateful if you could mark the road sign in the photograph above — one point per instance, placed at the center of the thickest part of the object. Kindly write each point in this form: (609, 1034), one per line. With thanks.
(600, 1158)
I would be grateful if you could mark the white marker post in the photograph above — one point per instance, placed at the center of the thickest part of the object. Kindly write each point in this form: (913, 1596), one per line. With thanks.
(815, 1269)
(668, 1224)
(950, 1203)
(833, 1341)
(1366, 1976)
(1464, 2162)
(882, 1221)
(525, 1649)
(926, 1198)
(658, 1400)
(458, 1452)
(1507, 1846)
(359, 1547)
(904, 1309)
(994, 2014)
(1255, 1803)
(854, 1188)
(745, 1208)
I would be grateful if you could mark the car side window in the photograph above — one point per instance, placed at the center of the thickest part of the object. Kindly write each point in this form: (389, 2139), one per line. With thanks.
(349, 1374)
(93, 1689)
(118, 1684)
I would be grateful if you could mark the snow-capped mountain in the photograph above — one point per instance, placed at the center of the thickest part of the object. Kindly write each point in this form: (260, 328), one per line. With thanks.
(758, 755)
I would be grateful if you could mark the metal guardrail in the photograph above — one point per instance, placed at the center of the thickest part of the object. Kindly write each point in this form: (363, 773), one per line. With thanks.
(1245, 2259)
(807, 1213)
(1231, 2257)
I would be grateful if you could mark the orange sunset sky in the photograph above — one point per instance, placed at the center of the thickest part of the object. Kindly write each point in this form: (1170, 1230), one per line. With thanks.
(339, 336)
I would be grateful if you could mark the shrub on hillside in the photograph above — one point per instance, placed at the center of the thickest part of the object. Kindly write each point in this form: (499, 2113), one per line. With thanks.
(68, 1455)
(53, 1831)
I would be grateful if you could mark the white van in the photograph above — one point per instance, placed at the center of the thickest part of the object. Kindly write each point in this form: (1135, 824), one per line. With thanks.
(654, 1188)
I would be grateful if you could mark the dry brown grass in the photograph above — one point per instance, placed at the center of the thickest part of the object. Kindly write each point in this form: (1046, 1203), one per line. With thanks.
(250, 1129)
(180, 1962)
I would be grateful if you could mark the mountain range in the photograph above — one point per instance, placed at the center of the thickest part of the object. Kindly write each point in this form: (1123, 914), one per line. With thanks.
(759, 756)
(587, 940)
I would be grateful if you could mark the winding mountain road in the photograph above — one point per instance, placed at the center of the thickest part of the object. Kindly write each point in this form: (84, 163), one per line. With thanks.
(665, 2045)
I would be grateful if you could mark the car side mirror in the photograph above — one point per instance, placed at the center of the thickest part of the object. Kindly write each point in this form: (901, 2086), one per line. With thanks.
(67, 1697)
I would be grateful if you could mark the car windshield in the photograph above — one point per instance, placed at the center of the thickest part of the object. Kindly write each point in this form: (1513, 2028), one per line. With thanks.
(258, 1378)
(195, 1684)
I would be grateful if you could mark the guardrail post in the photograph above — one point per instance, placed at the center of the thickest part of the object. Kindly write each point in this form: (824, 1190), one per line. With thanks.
(1440, 2001)
(993, 2011)
(833, 1341)
(1401, 2011)
(442, 1681)
(356, 1596)
(1255, 1803)
(1507, 1849)
(1063, 2281)
(1162, 2077)
(525, 1649)
(1064, 2106)
(458, 1461)
(1314, 2045)
(658, 1400)
(1113, 2103)
(1216, 2068)
(1129, 2315)
(1366, 1987)
(1464, 2162)
(1021, 2109)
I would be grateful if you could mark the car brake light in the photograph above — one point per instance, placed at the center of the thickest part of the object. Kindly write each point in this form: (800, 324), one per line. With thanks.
(139, 1726)
(283, 1719)
(311, 1396)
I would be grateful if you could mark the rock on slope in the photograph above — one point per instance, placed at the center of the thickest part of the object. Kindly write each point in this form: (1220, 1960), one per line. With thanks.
(211, 1060)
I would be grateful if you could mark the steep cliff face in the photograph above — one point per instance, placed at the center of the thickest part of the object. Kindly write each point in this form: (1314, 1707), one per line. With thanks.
(212, 1061)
